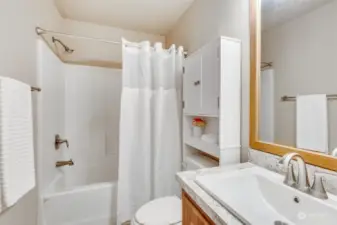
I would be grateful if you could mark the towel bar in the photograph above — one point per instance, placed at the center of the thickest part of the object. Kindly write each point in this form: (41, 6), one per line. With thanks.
(293, 98)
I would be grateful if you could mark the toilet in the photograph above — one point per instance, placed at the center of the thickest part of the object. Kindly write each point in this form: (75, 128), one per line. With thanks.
(168, 210)
(161, 211)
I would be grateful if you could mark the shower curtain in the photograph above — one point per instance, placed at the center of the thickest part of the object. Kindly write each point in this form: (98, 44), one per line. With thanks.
(150, 134)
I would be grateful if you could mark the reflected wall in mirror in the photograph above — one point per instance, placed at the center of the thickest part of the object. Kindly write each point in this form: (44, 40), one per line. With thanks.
(298, 77)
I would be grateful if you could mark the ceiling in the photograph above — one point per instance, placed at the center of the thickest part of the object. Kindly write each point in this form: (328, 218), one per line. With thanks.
(277, 12)
(153, 16)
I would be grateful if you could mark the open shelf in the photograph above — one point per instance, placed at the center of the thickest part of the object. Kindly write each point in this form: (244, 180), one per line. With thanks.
(203, 146)
(201, 115)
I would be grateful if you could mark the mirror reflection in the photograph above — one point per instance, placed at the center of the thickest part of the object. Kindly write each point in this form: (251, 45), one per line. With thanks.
(298, 80)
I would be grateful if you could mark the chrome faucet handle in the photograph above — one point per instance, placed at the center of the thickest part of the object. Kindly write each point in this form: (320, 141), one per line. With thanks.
(290, 176)
(317, 189)
(288, 169)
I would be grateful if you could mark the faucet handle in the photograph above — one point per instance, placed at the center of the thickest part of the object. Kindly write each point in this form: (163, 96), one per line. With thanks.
(59, 141)
(290, 176)
(317, 188)
(288, 169)
(67, 143)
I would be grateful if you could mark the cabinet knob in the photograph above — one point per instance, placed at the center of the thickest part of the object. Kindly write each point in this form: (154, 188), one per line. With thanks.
(197, 83)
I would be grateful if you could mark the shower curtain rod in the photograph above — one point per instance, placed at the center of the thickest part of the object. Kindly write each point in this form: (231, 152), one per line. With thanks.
(41, 31)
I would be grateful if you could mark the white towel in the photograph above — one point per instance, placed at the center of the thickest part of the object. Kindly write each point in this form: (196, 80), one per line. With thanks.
(17, 172)
(312, 123)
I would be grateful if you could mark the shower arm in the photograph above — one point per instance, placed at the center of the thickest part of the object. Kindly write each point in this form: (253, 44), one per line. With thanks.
(66, 48)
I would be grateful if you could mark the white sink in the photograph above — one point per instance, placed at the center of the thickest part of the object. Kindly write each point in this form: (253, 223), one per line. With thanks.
(259, 197)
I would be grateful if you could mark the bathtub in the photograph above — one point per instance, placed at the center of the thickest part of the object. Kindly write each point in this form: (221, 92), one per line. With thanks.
(86, 204)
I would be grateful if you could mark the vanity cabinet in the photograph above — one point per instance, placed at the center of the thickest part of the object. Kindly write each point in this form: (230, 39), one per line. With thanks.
(192, 214)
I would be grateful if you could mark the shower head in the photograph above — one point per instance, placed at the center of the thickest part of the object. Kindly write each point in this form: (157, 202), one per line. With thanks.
(66, 48)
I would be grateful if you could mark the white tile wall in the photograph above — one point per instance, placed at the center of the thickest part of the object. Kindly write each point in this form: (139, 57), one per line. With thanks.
(82, 104)
(51, 110)
(92, 99)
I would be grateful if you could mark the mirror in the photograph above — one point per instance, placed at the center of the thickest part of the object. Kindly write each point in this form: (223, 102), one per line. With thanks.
(294, 90)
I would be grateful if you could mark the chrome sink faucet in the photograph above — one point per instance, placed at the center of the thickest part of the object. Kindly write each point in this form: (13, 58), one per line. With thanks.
(302, 182)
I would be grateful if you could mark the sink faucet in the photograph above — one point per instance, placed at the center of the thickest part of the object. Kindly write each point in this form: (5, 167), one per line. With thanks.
(302, 182)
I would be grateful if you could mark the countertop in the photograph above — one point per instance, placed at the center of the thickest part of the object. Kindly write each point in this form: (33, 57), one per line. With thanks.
(216, 212)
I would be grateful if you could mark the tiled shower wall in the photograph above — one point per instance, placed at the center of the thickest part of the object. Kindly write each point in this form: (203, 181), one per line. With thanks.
(92, 97)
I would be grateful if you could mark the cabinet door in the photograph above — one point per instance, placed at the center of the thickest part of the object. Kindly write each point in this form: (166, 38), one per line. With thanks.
(192, 84)
(210, 79)
(191, 214)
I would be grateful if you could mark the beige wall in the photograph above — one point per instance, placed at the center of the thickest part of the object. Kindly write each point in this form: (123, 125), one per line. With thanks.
(206, 20)
(18, 19)
(303, 52)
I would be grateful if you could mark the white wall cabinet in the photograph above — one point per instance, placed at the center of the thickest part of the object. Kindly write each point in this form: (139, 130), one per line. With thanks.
(210, 79)
(192, 84)
(212, 90)
(201, 83)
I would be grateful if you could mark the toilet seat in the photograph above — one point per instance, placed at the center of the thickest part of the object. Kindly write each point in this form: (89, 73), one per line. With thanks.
(162, 211)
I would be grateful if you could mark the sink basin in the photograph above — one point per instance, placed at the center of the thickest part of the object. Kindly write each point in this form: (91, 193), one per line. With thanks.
(259, 197)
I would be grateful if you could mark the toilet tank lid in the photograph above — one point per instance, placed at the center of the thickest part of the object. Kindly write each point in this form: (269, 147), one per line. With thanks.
(163, 211)
(197, 161)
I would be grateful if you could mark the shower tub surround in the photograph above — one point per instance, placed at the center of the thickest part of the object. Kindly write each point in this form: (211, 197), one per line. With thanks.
(86, 193)
(80, 204)
(82, 105)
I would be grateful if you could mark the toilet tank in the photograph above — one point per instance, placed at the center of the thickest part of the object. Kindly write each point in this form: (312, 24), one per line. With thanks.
(197, 161)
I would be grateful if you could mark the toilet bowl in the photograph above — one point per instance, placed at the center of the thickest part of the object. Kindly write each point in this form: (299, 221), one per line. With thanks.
(161, 211)
(168, 210)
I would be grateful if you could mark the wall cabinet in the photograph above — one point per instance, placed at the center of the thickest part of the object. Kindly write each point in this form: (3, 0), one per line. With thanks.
(192, 83)
(192, 215)
(201, 81)
(212, 91)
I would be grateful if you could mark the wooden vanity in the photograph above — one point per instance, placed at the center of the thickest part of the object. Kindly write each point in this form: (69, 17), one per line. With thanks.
(192, 214)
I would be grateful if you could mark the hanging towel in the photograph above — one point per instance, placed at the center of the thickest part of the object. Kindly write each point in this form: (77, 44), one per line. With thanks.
(17, 173)
(312, 123)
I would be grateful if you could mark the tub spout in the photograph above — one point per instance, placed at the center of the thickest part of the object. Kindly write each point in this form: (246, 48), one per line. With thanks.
(64, 163)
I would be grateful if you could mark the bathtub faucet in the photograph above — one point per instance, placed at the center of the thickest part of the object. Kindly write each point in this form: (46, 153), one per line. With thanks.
(64, 163)
(59, 141)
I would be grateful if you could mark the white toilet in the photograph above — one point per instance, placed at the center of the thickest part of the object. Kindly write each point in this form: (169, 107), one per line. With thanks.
(168, 210)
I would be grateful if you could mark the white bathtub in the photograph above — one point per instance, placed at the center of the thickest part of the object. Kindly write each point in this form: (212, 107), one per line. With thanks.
(91, 204)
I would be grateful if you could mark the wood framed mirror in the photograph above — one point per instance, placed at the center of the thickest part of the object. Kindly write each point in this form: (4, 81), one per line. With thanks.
(293, 81)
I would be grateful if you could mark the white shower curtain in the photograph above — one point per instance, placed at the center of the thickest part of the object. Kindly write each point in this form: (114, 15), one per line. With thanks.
(150, 143)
